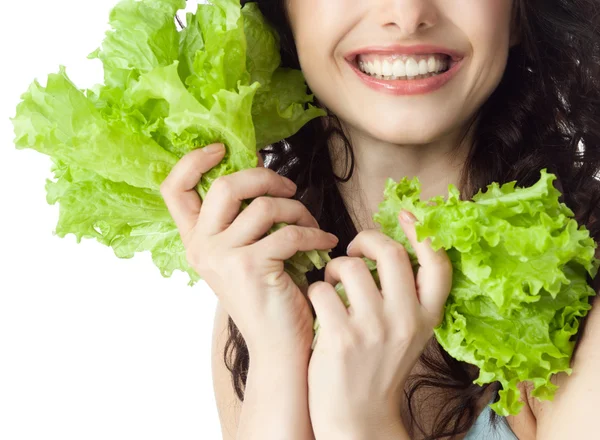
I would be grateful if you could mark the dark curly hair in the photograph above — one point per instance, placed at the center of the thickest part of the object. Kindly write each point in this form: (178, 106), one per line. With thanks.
(543, 114)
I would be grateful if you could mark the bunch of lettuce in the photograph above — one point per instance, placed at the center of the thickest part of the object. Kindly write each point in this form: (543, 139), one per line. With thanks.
(165, 93)
(520, 260)
(519, 284)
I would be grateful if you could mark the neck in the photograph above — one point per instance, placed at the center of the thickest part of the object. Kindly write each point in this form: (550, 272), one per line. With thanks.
(436, 164)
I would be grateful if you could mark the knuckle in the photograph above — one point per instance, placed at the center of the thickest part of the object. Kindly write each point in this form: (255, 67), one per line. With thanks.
(393, 250)
(264, 205)
(352, 265)
(223, 186)
(292, 233)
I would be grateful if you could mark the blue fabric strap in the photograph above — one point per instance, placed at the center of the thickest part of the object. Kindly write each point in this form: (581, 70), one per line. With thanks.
(482, 429)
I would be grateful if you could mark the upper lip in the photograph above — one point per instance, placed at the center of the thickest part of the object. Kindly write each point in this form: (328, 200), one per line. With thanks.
(408, 50)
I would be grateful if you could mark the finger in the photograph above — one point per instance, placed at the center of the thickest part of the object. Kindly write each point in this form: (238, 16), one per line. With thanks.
(224, 198)
(328, 306)
(254, 221)
(395, 271)
(178, 188)
(360, 287)
(434, 276)
(285, 242)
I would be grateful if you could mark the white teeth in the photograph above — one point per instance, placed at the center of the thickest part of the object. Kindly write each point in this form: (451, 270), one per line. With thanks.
(399, 69)
(376, 67)
(405, 67)
(432, 64)
(412, 68)
(386, 68)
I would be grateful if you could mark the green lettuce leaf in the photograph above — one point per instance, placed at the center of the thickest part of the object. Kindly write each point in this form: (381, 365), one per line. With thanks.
(519, 284)
(519, 288)
(165, 93)
(127, 218)
(143, 36)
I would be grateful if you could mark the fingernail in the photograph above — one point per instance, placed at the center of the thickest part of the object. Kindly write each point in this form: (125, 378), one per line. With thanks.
(333, 237)
(348, 247)
(407, 216)
(213, 148)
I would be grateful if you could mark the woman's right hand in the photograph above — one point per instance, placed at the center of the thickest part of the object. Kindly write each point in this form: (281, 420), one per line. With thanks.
(227, 249)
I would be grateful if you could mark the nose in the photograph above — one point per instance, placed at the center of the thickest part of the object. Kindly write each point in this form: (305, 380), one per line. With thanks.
(408, 17)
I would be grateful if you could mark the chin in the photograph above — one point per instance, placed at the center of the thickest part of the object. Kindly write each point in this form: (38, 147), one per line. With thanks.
(400, 131)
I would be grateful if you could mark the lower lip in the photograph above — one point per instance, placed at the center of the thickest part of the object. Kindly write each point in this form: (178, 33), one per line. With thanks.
(408, 86)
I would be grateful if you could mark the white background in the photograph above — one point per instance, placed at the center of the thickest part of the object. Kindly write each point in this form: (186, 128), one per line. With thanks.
(91, 346)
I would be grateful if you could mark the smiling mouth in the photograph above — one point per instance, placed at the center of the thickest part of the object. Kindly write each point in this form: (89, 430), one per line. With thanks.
(403, 67)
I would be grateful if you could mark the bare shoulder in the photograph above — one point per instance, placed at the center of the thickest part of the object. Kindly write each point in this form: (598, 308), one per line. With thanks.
(572, 413)
(228, 405)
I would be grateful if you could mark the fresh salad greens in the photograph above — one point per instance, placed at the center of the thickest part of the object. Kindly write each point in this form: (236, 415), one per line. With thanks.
(165, 93)
(520, 260)
(519, 286)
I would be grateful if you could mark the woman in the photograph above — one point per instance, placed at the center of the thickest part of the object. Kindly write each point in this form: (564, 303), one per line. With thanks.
(464, 92)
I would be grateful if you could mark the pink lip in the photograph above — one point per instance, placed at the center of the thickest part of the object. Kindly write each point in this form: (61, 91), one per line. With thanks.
(407, 86)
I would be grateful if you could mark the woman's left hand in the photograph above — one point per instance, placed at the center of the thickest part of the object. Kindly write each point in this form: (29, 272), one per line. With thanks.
(365, 353)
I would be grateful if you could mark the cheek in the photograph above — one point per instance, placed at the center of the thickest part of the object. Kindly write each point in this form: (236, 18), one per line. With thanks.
(488, 28)
(308, 20)
(317, 30)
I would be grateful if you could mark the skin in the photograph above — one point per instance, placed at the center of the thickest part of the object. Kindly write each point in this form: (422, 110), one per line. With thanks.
(362, 359)
(268, 308)
(346, 387)
(350, 386)
(431, 125)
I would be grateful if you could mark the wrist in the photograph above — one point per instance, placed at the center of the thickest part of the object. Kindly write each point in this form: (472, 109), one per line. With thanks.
(268, 359)
(276, 370)
(276, 399)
